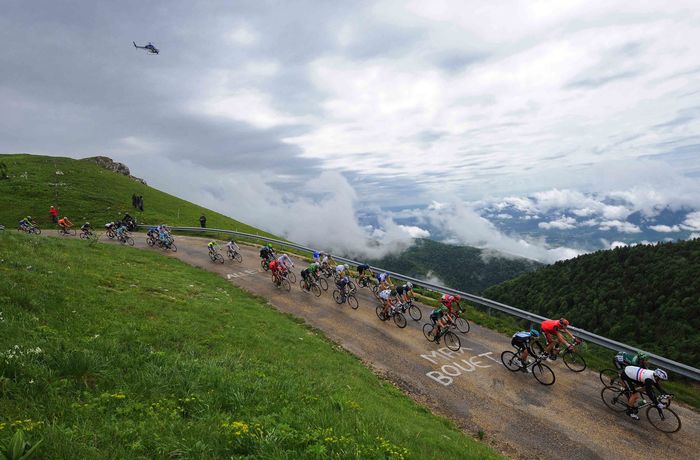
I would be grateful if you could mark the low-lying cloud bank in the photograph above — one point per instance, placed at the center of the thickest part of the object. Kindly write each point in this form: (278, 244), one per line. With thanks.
(322, 213)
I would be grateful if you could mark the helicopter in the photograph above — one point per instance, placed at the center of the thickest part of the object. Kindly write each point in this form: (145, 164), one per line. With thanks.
(150, 48)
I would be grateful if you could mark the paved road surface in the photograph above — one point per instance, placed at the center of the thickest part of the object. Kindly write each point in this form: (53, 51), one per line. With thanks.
(517, 415)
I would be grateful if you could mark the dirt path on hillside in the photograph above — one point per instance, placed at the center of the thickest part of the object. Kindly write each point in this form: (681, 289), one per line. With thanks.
(517, 415)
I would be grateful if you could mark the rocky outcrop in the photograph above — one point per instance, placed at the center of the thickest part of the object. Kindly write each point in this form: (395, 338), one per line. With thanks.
(114, 166)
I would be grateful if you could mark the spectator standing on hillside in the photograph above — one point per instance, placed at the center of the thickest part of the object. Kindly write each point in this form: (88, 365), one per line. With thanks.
(54, 214)
(133, 200)
(202, 221)
(141, 203)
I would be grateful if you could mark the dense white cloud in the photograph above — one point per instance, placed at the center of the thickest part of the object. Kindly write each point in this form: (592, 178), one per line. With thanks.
(665, 228)
(563, 223)
(620, 226)
(692, 221)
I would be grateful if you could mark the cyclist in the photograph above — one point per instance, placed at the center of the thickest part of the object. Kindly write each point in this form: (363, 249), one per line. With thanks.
(232, 247)
(152, 232)
(342, 284)
(276, 270)
(341, 270)
(314, 270)
(404, 293)
(622, 360)
(317, 257)
(555, 327)
(213, 247)
(85, 228)
(284, 262)
(384, 281)
(449, 301)
(521, 341)
(26, 223)
(364, 272)
(326, 260)
(64, 223)
(440, 317)
(385, 296)
(119, 232)
(633, 376)
(164, 235)
(267, 253)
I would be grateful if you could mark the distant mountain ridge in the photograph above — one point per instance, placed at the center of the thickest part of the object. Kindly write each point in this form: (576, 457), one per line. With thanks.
(644, 295)
(461, 267)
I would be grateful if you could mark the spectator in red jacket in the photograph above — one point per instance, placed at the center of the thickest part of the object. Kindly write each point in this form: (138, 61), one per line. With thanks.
(54, 214)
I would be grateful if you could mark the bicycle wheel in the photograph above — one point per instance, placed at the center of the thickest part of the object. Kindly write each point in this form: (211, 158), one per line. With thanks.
(614, 398)
(399, 319)
(285, 284)
(291, 277)
(537, 348)
(574, 361)
(72, 232)
(315, 290)
(173, 247)
(610, 377)
(219, 258)
(129, 241)
(665, 420)
(352, 301)
(462, 325)
(337, 297)
(263, 265)
(149, 241)
(415, 313)
(428, 332)
(543, 374)
(380, 313)
(83, 236)
(238, 257)
(510, 361)
(452, 341)
(352, 287)
(323, 283)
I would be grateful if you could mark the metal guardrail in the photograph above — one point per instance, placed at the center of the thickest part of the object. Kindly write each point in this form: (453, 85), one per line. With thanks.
(673, 366)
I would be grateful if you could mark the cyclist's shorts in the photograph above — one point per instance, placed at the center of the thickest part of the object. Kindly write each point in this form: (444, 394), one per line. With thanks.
(548, 336)
(520, 344)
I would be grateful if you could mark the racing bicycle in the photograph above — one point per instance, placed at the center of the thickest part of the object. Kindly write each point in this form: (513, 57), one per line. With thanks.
(666, 419)
(542, 373)
(394, 312)
(572, 359)
(451, 340)
(216, 256)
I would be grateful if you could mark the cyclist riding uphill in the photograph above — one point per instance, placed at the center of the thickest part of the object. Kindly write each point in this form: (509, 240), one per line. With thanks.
(555, 327)
(213, 246)
(440, 317)
(26, 223)
(64, 223)
(266, 252)
(85, 227)
(404, 292)
(384, 281)
(622, 360)
(633, 376)
(448, 301)
(521, 342)
(285, 262)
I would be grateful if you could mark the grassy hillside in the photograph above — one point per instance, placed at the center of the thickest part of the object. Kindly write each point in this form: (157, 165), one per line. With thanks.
(647, 295)
(82, 190)
(461, 267)
(112, 352)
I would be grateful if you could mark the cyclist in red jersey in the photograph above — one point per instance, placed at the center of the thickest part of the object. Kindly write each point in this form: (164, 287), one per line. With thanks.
(555, 327)
(274, 268)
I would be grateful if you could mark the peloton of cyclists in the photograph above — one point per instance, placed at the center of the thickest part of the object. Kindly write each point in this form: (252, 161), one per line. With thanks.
(555, 327)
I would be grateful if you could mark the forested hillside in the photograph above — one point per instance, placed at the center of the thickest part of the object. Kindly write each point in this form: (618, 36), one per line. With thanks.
(460, 267)
(647, 295)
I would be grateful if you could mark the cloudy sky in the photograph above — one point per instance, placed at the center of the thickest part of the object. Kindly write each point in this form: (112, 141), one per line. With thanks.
(268, 109)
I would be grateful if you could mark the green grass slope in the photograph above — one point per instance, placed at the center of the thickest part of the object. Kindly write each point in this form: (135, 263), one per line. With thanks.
(461, 267)
(646, 295)
(112, 352)
(82, 190)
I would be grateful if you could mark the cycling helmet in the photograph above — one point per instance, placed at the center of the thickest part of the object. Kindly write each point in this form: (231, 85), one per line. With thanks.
(87, 223)
(660, 373)
(563, 322)
(409, 285)
(29, 217)
(269, 246)
(534, 332)
(642, 356)
(458, 298)
(317, 254)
